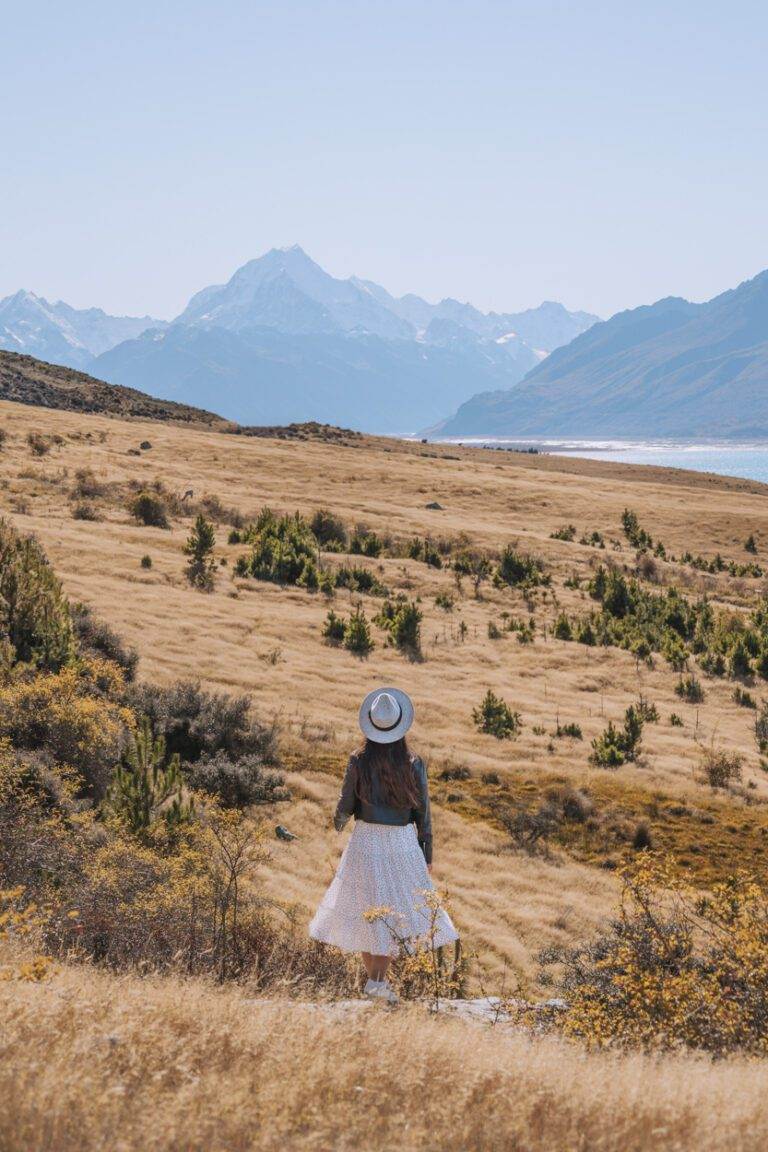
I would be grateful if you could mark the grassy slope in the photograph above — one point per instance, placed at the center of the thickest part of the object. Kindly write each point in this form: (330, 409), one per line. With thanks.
(89, 1061)
(266, 640)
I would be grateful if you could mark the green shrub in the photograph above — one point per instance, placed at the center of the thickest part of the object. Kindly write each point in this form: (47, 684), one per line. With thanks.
(445, 601)
(615, 746)
(572, 730)
(636, 535)
(562, 629)
(358, 579)
(425, 551)
(150, 509)
(35, 623)
(333, 628)
(750, 544)
(494, 632)
(329, 531)
(357, 634)
(744, 699)
(401, 619)
(283, 550)
(720, 768)
(146, 788)
(567, 533)
(366, 544)
(146, 561)
(675, 720)
(199, 547)
(690, 689)
(516, 568)
(496, 718)
(761, 727)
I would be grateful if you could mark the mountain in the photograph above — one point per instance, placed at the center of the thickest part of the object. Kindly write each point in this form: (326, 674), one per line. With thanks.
(670, 369)
(28, 381)
(267, 376)
(284, 341)
(61, 334)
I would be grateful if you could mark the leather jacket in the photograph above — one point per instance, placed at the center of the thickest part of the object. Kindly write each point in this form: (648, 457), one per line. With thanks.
(375, 812)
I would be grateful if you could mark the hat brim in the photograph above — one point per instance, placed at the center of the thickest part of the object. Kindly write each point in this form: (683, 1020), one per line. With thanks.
(379, 736)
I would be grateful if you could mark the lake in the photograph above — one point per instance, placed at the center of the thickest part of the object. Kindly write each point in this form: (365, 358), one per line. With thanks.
(726, 458)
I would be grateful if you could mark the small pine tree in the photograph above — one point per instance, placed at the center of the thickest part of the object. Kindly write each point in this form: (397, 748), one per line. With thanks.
(357, 633)
(750, 544)
(496, 718)
(145, 789)
(562, 629)
(199, 547)
(334, 628)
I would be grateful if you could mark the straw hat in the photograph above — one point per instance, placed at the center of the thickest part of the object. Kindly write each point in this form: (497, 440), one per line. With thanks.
(386, 714)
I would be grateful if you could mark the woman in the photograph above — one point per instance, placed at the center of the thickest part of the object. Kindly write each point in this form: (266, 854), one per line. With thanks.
(387, 861)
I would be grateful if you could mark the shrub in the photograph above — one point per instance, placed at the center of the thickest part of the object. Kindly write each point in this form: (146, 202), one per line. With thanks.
(690, 689)
(425, 551)
(518, 568)
(96, 637)
(150, 509)
(67, 715)
(85, 511)
(401, 618)
(357, 633)
(720, 768)
(86, 486)
(529, 830)
(238, 783)
(145, 788)
(673, 968)
(761, 727)
(333, 628)
(195, 722)
(199, 547)
(744, 699)
(750, 544)
(675, 720)
(496, 718)
(445, 601)
(615, 746)
(636, 535)
(357, 579)
(329, 531)
(641, 838)
(366, 544)
(283, 550)
(571, 730)
(648, 710)
(39, 445)
(473, 564)
(35, 622)
(567, 533)
(562, 629)
(146, 561)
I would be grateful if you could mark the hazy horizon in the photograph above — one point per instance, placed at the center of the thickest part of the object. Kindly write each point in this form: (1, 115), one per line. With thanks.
(496, 153)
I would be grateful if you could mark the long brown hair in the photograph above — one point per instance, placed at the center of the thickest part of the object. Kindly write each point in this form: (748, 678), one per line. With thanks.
(392, 765)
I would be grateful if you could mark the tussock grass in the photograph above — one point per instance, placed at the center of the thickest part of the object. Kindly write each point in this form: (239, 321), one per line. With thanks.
(89, 1061)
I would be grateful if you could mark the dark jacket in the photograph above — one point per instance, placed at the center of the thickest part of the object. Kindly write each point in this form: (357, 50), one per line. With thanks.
(376, 812)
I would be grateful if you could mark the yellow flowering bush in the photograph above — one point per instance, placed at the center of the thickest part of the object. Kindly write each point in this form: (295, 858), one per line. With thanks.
(420, 968)
(68, 715)
(675, 967)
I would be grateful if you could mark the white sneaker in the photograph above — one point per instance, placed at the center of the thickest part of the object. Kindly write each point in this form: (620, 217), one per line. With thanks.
(380, 990)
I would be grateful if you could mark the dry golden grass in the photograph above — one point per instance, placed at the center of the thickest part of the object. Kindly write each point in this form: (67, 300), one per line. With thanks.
(90, 1062)
(266, 640)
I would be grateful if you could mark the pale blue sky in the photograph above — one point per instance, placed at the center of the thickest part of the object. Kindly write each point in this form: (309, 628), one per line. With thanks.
(602, 154)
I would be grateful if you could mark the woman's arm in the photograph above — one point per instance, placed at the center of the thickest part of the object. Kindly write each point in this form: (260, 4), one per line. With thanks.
(423, 814)
(346, 805)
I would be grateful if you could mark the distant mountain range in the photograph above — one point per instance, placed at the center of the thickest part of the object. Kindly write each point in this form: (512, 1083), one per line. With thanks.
(283, 341)
(64, 335)
(671, 369)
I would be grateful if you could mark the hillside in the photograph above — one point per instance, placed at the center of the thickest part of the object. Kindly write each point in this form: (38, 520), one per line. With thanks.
(142, 1021)
(266, 639)
(672, 369)
(29, 381)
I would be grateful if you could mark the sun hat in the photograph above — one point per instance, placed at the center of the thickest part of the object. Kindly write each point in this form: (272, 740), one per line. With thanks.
(386, 714)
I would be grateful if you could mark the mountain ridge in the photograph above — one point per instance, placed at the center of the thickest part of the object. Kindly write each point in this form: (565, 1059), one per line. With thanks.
(673, 368)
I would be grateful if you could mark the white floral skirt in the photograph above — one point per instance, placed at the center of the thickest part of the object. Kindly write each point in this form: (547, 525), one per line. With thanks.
(382, 867)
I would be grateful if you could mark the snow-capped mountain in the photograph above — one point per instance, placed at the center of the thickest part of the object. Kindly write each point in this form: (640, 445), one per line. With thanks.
(285, 341)
(63, 335)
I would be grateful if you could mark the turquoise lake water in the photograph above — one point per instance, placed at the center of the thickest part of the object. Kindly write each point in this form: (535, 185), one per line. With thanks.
(747, 460)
